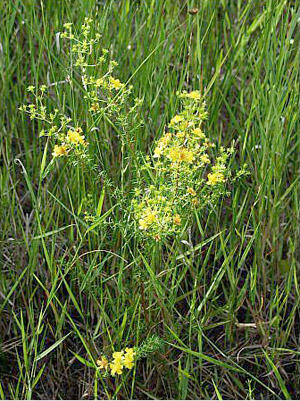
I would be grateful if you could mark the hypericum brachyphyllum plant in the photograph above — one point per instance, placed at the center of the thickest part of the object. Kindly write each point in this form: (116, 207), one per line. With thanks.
(186, 175)
(124, 360)
(106, 97)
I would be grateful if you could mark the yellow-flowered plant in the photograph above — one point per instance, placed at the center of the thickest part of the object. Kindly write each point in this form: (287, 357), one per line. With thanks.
(68, 138)
(186, 175)
(125, 360)
(104, 93)
(120, 360)
(106, 96)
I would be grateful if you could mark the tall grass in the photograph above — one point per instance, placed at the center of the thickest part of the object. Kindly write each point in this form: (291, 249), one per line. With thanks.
(225, 302)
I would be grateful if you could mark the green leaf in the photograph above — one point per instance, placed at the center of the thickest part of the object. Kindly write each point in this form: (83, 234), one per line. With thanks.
(50, 349)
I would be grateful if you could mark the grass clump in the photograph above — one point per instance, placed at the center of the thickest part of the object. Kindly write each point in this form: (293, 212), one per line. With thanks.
(179, 186)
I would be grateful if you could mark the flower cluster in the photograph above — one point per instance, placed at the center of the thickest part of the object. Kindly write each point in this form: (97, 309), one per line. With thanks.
(68, 138)
(108, 95)
(120, 360)
(105, 95)
(127, 358)
(82, 45)
(185, 175)
(72, 140)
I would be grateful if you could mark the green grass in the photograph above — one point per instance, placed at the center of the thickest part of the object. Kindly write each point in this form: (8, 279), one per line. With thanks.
(226, 301)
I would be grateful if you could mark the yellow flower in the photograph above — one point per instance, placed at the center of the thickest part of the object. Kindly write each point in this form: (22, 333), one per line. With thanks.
(174, 154)
(177, 220)
(99, 82)
(157, 151)
(130, 351)
(204, 158)
(194, 95)
(181, 134)
(75, 137)
(208, 144)
(116, 367)
(128, 361)
(181, 155)
(165, 139)
(143, 224)
(191, 191)
(129, 358)
(59, 151)
(195, 201)
(68, 25)
(150, 217)
(186, 155)
(185, 124)
(115, 83)
(215, 178)
(103, 362)
(94, 107)
(198, 133)
(118, 356)
(176, 120)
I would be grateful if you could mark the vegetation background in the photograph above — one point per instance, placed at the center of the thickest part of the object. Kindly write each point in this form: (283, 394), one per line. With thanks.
(225, 303)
